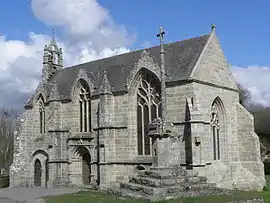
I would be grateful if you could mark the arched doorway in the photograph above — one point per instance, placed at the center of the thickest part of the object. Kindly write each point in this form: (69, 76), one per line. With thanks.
(86, 168)
(81, 165)
(37, 173)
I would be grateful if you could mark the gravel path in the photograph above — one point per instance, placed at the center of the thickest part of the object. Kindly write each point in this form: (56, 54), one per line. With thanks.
(31, 195)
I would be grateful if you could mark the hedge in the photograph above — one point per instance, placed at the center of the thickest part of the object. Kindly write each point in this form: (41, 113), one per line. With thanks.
(4, 182)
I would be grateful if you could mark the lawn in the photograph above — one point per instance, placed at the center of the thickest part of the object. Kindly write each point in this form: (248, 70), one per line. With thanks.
(97, 197)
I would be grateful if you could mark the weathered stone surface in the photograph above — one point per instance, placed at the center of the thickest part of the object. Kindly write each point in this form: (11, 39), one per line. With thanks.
(168, 183)
(206, 99)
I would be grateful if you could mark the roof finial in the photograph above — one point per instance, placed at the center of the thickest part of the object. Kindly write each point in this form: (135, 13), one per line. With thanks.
(53, 33)
(105, 87)
(53, 41)
(213, 27)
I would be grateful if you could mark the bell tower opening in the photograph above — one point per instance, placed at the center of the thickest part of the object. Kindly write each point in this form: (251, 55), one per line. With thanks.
(52, 59)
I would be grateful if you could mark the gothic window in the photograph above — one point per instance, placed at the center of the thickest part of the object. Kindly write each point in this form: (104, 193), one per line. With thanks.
(217, 125)
(41, 116)
(84, 108)
(148, 108)
(215, 135)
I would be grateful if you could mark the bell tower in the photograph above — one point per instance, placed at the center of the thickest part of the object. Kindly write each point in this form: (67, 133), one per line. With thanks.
(52, 59)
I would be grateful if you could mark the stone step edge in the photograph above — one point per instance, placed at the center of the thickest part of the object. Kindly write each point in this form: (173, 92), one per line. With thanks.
(164, 190)
(154, 182)
(159, 197)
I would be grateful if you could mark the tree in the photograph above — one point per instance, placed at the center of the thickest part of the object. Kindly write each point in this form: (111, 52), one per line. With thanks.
(244, 95)
(7, 127)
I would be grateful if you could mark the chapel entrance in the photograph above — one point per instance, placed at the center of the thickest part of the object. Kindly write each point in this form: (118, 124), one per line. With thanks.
(86, 169)
(37, 173)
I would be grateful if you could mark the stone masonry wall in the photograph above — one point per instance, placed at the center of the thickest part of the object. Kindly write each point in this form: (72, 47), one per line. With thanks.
(216, 80)
(176, 112)
(250, 148)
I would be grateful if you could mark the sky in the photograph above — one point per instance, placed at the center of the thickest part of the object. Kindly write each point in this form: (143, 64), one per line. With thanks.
(92, 29)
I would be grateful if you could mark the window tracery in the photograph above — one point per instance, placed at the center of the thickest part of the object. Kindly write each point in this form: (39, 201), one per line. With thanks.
(148, 108)
(41, 116)
(84, 108)
(217, 125)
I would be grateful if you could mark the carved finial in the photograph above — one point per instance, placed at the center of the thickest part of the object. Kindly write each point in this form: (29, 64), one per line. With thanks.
(53, 40)
(105, 87)
(53, 32)
(213, 27)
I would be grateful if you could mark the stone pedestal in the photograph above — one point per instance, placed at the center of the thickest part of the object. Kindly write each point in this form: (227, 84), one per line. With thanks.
(164, 180)
(163, 183)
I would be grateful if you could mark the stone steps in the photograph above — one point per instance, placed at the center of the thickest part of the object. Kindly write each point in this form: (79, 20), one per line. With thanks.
(160, 174)
(153, 182)
(148, 190)
(160, 183)
(141, 191)
(180, 171)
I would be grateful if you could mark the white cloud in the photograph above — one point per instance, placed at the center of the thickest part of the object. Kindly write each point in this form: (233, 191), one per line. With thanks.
(256, 80)
(89, 33)
(78, 17)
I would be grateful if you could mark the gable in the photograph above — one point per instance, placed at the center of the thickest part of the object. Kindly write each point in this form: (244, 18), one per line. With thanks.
(180, 58)
(212, 66)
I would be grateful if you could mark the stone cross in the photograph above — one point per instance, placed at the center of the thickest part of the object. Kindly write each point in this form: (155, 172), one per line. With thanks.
(160, 35)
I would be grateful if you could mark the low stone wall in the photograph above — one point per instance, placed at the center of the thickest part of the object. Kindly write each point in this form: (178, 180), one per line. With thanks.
(255, 200)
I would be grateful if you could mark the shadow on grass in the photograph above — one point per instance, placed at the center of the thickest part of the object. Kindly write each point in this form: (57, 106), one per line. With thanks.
(98, 197)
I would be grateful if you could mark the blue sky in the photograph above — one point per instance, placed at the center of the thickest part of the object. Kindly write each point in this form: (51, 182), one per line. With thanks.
(242, 26)
(97, 29)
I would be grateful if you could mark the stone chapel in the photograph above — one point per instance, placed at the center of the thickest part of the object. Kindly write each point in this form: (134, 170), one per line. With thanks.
(89, 124)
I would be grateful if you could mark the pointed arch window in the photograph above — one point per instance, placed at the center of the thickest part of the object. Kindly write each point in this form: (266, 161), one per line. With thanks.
(215, 135)
(84, 108)
(148, 108)
(41, 116)
(218, 126)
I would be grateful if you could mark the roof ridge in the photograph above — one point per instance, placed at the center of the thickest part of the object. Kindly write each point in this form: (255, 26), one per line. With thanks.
(134, 51)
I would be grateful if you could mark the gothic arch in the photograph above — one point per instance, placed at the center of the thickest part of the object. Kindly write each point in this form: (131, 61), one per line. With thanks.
(41, 112)
(40, 168)
(218, 126)
(40, 98)
(85, 156)
(40, 151)
(138, 76)
(148, 107)
(82, 77)
(82, 98)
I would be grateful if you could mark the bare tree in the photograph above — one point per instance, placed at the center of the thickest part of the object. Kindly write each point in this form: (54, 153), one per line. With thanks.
(244, 95)
(7, 127)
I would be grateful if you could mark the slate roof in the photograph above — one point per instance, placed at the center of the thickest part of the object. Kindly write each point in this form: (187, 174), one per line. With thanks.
(180, 58)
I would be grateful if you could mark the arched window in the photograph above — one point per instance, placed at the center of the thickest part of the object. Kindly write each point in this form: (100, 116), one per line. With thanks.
(41, 115)
(148, 108)
(217, 125)
(84, 108)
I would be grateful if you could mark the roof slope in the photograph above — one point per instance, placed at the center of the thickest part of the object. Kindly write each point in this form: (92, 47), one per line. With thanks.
(180, 58)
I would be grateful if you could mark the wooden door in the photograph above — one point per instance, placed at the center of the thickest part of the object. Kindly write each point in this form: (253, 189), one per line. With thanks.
(86, 169)
(37, 173)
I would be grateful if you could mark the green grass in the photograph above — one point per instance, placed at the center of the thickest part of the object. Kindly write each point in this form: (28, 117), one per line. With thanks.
(97, 197)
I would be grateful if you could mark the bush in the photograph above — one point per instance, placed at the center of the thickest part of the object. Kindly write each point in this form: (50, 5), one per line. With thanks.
(4, 182)
(267, 168)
